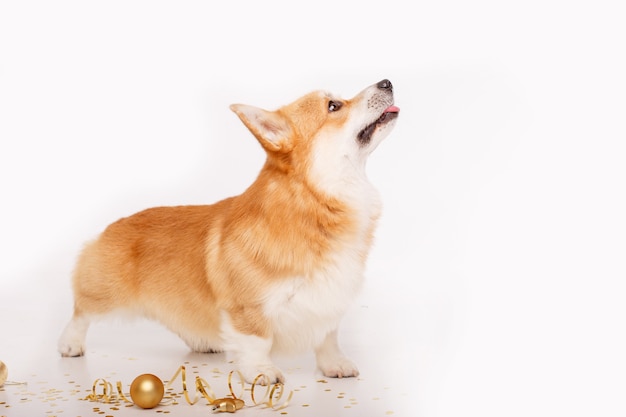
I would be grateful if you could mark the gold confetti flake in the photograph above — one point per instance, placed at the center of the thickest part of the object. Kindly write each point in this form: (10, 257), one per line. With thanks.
(322, 381)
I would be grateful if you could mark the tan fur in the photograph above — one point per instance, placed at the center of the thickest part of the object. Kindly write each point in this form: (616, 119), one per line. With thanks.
(186, 266)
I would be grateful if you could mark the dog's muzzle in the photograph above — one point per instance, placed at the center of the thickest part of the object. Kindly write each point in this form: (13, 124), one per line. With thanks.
(389, 113)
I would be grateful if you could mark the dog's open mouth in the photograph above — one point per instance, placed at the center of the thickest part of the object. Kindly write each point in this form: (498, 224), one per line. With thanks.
(389, 114)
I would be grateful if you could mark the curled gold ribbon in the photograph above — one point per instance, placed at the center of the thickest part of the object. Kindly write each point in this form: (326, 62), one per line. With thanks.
(270, 401)
(241, 382)
(120, 392)
(201, 387)
(270, 390)
(271, 398)
(108, 395)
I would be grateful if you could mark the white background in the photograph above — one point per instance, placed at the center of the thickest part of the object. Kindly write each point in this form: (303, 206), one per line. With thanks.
(499, 259)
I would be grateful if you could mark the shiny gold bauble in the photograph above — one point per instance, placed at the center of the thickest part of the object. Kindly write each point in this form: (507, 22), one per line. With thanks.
(147, 391)
(4, 373)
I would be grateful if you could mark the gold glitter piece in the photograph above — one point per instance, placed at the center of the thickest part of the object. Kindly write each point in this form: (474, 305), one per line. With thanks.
(322, 381)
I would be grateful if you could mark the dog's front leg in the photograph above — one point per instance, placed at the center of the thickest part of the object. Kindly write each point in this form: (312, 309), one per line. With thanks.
(331, 360)
(251, 353)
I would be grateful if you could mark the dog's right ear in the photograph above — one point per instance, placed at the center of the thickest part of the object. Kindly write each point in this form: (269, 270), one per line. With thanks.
(270, 128)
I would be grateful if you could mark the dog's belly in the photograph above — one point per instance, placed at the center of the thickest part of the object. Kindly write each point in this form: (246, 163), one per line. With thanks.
(303, 310)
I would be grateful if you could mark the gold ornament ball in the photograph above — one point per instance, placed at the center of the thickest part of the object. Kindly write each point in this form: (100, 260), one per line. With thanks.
(147, 391)
(4, 373)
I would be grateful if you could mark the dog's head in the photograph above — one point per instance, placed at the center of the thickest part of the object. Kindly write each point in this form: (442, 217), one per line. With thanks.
(321, 134)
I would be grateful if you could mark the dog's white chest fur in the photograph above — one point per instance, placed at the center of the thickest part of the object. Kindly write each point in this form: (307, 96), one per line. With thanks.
(304, 309)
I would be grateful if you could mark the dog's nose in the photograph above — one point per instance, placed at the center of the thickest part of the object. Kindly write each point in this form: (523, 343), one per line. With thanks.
(385, 85)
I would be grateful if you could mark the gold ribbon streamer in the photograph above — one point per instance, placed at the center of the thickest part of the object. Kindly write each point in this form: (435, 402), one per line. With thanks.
(107, 395)
(280, 395)
(270, 390)
(201, 387)
(230, 384)
(120, 392)
(273, 393)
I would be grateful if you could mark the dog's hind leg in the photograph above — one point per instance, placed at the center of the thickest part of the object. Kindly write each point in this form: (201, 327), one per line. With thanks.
(72, 340)
(97, 292)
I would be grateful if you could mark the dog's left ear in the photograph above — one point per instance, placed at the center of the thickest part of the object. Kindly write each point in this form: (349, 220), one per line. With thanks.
(270, 128)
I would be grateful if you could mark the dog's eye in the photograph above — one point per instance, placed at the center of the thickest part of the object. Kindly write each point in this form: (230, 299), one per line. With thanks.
(333, 106)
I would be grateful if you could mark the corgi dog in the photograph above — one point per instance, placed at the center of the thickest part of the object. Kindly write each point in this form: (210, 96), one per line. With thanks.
(271, 270)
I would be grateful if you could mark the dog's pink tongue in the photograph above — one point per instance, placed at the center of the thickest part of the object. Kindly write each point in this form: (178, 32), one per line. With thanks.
(392, 109)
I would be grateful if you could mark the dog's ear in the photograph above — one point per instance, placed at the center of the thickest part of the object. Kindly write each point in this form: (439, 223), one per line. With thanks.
(270, 128)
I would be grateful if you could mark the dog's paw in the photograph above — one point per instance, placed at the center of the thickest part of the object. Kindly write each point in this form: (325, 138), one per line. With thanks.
(72, 342)
(341, 367)
(262, 375)
(69, 349)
